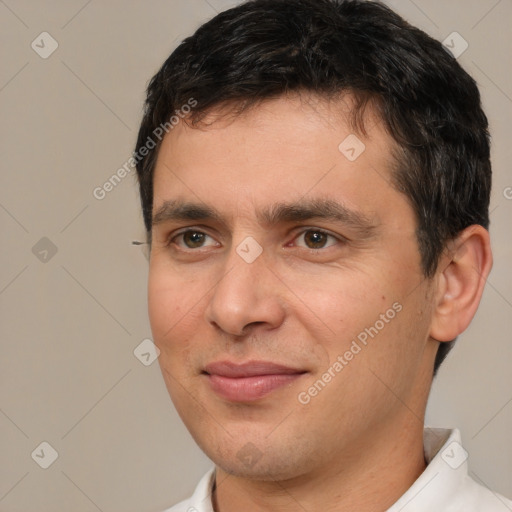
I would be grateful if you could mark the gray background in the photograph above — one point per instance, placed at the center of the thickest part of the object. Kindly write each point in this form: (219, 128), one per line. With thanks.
(70, 321)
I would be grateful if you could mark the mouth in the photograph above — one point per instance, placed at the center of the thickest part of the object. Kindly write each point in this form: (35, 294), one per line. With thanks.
(249, 381)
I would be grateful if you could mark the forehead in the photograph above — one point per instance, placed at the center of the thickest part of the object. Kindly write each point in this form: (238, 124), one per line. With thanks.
(281, 149)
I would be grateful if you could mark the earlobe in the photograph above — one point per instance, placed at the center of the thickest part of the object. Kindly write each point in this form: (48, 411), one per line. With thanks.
(460, 281)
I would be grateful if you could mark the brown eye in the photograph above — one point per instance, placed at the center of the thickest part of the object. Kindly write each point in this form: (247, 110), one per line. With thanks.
(316, 239)
(193, 239)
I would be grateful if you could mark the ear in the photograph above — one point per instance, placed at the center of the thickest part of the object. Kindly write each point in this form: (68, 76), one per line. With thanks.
(461, 276)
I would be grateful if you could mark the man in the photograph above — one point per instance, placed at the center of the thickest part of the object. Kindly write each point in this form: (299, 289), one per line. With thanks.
(317, 209)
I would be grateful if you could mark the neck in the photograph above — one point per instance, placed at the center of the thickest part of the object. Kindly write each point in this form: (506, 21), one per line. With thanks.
(370, 476)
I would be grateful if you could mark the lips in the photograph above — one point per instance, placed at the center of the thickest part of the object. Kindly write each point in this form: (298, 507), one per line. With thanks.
(249, 381)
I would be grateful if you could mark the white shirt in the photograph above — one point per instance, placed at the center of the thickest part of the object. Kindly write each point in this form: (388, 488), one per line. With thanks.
(444, 486)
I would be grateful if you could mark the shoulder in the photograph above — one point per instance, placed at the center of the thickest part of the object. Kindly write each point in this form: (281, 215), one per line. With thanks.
(446, 484)
(179, 507)
(182, 506)
(200, 501)
(476, 497)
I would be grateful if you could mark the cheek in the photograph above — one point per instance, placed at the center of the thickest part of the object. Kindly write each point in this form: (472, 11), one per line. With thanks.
(172, 325)
(341, 303)
(172, 307)
(373, 328)
(163, 306)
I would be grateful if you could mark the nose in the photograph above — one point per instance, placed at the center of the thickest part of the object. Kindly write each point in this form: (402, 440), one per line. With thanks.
(247, 295)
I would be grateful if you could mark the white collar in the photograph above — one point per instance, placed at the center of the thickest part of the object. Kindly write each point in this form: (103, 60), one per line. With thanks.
(444, 485)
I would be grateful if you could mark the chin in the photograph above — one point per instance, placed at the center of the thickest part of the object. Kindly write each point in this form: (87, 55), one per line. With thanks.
(257, 461)
(269, 471)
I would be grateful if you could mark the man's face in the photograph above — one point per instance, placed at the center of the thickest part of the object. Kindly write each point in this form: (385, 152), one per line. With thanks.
(339, 301)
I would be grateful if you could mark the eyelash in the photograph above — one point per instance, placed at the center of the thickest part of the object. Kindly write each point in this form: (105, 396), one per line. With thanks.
(173, 237)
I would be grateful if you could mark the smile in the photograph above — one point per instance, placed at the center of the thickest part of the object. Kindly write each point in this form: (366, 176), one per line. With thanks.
(250, 381)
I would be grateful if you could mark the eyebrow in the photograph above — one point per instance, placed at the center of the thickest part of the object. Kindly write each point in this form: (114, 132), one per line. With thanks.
(325, 209)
